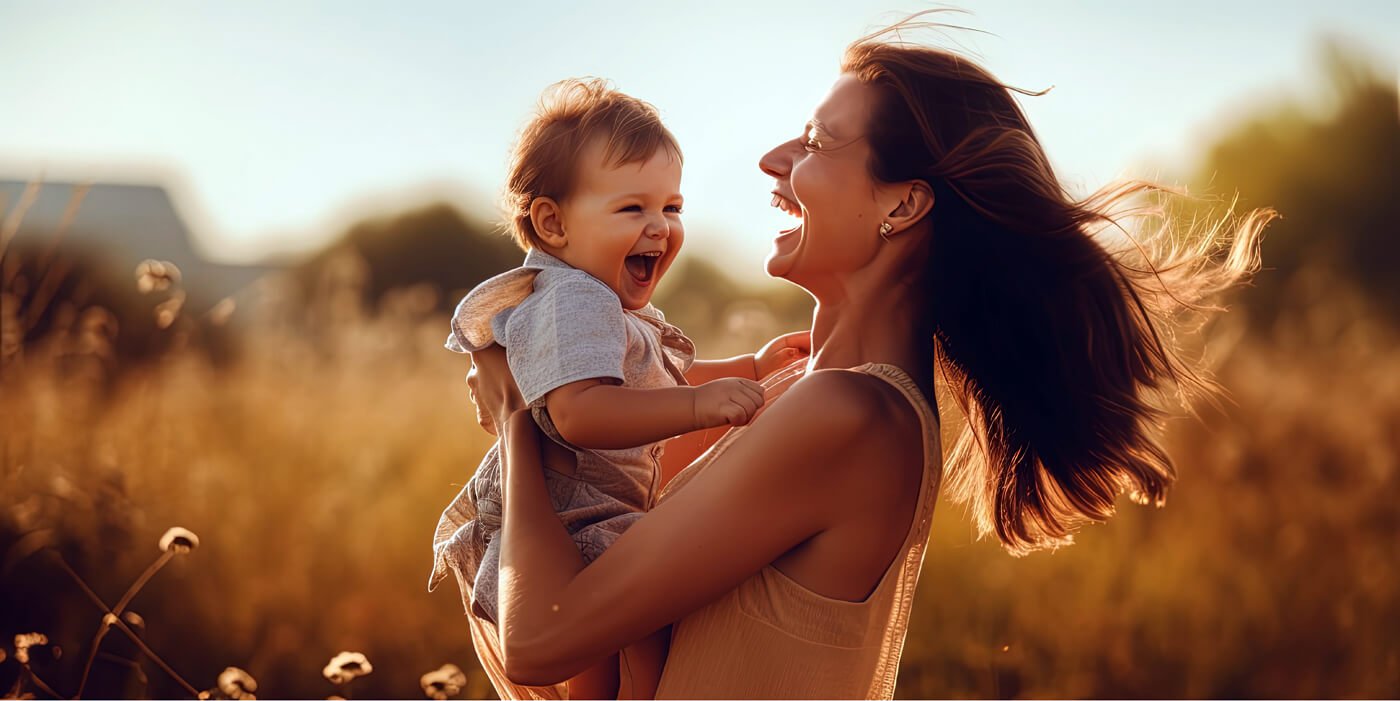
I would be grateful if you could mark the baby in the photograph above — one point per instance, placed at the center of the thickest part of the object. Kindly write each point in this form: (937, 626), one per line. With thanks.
(594, 193)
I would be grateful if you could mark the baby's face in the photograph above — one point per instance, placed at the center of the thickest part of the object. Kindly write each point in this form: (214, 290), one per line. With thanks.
(623, 223)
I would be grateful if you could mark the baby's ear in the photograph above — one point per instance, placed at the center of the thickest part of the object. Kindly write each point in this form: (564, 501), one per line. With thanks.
(548, 221)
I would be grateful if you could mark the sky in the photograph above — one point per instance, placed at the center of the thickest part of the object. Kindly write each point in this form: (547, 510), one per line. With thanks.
(278, 123)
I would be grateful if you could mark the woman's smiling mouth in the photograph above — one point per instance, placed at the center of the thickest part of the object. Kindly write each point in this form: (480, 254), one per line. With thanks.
(790, 207)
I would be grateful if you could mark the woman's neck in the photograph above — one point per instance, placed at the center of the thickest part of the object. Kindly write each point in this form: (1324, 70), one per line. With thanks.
(875, 316)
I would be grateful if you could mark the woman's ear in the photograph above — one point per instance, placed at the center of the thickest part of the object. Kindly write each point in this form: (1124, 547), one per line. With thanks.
(913, 206)
(548, 221)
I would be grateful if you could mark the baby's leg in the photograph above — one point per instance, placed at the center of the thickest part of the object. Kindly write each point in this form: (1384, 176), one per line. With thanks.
(641, 665)
(484, 586)
(598, 682)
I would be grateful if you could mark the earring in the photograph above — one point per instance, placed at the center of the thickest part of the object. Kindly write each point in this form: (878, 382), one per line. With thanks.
(885, 230)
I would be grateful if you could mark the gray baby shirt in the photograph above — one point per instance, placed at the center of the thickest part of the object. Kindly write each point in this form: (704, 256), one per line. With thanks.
(558, 325)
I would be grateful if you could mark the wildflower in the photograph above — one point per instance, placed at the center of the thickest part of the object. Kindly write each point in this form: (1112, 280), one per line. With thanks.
(347, 666)
(179, 539)
(443, 682)
(167, 311)
(134, 621)
(156, 275)
(24, 641)
(220, 313)
(237, 684)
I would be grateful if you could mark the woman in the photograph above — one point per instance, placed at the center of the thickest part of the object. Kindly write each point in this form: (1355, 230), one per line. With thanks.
(933, 233)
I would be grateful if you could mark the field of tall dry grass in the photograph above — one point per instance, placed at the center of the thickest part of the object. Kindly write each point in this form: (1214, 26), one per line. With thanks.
(312, 468)
(309, 430)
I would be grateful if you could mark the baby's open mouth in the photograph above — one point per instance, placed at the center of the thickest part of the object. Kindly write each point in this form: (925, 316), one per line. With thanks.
(643, 265)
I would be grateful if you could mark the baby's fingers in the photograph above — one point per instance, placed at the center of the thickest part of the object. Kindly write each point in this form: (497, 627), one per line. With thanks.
(737, 414)
(751, 389)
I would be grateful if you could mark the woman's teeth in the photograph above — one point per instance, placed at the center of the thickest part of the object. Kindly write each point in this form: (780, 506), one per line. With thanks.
(787, 205)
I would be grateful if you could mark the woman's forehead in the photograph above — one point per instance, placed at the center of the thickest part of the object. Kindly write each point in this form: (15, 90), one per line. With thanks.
(846, 109)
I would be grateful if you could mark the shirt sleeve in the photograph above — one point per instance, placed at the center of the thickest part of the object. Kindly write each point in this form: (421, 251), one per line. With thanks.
(473, 327)
(571, 329)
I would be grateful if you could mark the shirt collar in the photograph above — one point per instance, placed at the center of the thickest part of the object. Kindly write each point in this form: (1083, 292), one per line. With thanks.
(535, 258)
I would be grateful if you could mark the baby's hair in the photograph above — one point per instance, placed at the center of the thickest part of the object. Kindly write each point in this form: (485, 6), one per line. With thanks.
(571, 113)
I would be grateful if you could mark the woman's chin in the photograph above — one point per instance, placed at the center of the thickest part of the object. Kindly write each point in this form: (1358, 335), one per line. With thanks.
(780, 261)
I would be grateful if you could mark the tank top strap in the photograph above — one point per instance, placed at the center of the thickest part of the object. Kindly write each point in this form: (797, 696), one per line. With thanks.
(902, 578)
(932, 442)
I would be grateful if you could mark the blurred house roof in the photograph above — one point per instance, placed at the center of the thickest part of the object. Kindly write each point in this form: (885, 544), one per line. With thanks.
(125, 224)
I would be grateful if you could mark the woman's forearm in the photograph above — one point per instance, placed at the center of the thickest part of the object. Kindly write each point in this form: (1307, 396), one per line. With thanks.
(538, 558)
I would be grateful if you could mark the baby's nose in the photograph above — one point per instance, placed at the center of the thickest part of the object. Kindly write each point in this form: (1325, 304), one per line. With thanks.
(658, 228)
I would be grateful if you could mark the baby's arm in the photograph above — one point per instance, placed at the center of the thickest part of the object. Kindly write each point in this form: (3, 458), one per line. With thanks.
(598, 414)
(702, 371)
(753, 366)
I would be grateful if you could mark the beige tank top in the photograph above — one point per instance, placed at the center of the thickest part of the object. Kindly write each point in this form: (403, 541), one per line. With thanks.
(773, 638)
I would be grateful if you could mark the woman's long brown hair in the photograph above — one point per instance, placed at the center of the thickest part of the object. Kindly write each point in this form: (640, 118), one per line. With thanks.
(1053, 318)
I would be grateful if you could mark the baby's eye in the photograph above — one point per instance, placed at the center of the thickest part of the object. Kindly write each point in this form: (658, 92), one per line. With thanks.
(812, 143)
(631, 208)
(673, 208)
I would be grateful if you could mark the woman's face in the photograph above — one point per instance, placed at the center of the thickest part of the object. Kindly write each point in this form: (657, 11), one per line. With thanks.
(823, 179)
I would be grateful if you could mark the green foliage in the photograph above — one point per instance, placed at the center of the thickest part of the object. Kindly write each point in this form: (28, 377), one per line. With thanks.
(1332, 174)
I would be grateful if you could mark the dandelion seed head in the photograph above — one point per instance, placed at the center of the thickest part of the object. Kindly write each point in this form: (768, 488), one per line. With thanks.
(443, 682)
(236, 683)
(221, 312)
(179, 539)
(156, 275)
(169, 310)
(347, 666)
(134, 621)
(24, 641)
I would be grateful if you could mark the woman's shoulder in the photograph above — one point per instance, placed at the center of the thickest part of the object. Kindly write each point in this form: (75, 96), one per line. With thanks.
(842, 407)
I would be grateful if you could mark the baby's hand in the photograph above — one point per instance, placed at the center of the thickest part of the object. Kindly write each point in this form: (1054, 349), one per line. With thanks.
(731, 401)
(780, 352)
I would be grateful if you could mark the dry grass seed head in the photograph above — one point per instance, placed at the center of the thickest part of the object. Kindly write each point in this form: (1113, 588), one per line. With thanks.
(347, 666)
(236, 683)
(443, 682)
(181, 540)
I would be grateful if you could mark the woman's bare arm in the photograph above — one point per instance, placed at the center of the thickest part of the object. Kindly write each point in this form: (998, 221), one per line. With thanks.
(773, 488)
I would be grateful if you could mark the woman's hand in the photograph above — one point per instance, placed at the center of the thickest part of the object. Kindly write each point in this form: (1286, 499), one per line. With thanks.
(781, 352)
(492, 388)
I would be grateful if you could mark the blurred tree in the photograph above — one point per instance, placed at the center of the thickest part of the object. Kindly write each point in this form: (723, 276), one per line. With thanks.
(1332, 174)
(436, 244)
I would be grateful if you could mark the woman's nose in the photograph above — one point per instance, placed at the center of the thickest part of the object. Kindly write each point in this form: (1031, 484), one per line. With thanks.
(778, 162)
